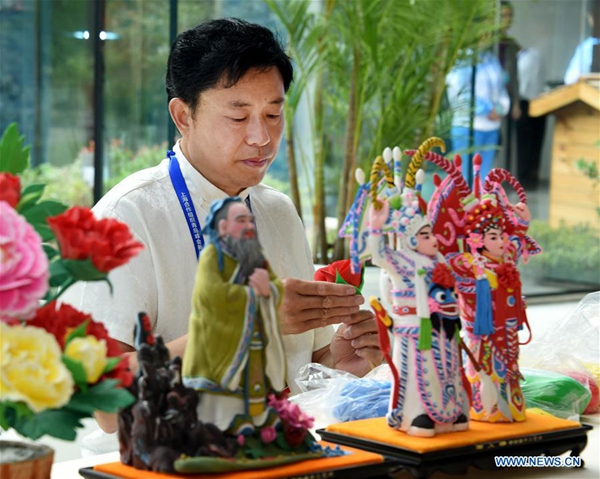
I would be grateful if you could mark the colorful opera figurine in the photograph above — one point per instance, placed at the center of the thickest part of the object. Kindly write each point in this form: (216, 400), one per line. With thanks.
(235, 352)
(482, 237)
(427, 395)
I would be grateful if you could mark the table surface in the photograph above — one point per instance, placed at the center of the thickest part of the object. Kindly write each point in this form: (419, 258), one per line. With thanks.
(591, 456)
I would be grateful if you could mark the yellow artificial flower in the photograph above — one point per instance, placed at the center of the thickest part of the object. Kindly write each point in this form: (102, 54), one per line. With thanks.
(31, 368)
(90, 352)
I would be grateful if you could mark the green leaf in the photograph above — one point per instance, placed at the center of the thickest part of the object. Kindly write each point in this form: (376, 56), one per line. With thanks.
(104, 396)
(111, 363)
(13, 412)
(58, 273)
(50, 251)
(44, 231)
(30, 196)
(83, 270)
(13, 157)
(59, 423)
(37, 214)
(77, 370)
(78, 332)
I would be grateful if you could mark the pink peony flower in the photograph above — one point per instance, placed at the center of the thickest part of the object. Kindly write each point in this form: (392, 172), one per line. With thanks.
(268, 434)
(23, 266)
(290, 413)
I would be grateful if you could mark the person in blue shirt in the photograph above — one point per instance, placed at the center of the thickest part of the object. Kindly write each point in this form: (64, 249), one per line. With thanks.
(492, 103)
(586, 58)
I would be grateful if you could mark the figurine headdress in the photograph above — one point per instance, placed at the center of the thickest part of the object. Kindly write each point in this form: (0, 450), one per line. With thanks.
(408, 215)
(383, 184)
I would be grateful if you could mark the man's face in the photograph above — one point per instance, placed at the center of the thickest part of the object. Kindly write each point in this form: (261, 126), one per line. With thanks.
(493, 242)
(239, 222)
(234, 134)
(427, 243)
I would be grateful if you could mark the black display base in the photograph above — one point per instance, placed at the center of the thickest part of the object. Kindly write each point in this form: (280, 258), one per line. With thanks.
(373, 471)
(458, 460)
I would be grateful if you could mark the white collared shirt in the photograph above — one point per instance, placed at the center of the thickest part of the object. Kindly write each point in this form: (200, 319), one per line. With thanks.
(160, 280)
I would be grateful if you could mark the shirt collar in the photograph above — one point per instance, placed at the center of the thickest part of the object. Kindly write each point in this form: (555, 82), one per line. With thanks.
(202, 191)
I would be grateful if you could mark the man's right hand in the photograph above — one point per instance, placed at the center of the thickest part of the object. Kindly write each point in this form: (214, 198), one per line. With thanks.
(308, 305)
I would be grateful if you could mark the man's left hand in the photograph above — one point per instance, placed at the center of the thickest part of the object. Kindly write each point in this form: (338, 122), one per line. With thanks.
(355, 345)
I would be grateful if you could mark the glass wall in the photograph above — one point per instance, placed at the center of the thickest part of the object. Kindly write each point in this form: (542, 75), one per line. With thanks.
(49, 86)
(46, 86)
(552, 31)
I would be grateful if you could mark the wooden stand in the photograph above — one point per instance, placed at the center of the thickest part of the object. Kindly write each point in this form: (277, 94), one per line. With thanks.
(574, 197)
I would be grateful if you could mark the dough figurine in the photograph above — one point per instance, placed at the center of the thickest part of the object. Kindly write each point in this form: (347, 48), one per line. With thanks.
(483, 236)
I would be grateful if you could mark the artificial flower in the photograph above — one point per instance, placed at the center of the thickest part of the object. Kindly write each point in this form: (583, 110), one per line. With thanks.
(121, 373)
(107, 242)
(294, 435)
(290, 413)
(57, 364)
(32, 369)
(475, 241)
(340, 269)
(23, 266)
(62, 320)
(268, 434)
(91, 353)
(10, 189)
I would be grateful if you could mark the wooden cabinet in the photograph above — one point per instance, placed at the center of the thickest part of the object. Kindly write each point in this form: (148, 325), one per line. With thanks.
(574, 197)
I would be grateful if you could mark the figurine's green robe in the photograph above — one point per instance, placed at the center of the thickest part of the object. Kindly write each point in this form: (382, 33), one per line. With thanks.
(224, 323)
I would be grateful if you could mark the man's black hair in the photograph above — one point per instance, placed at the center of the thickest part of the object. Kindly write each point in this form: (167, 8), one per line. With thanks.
(221, 50)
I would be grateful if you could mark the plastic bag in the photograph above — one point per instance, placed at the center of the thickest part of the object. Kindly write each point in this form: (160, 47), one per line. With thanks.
(332, 396)
(570, 347)
(560, 395)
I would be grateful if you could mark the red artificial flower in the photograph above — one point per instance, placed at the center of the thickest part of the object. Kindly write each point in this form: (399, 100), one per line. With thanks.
(108, 242)
(62, 321)
(508, 276)
(121, 372)
(59, 322)
(10, 189)
(443, 276)
(293, 435)
(343, 267)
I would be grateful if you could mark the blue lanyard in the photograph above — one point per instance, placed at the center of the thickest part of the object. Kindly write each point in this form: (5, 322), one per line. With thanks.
(183, 195)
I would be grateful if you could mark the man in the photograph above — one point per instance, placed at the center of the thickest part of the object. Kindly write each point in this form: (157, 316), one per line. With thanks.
(508, 50)
(235, 355)
(530, 129)
(226, 80)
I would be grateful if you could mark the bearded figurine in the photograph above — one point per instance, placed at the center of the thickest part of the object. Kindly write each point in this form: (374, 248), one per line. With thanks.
(427, 395)
(235, 354)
